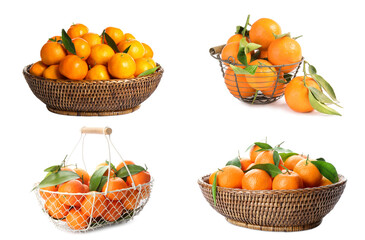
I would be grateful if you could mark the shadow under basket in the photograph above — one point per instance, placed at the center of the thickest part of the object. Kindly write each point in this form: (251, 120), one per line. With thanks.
(274, 210)
(93, 97)
(266, 86)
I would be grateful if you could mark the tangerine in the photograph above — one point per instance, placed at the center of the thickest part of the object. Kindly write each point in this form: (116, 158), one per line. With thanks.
(115, 33)
(287, 180)
(82, 48)
(94, 205)
(73, 67)
(268, 157)
(148, 51)
(114, 186)
(37, 69)
(114, 211)
(121, 65)
(245, 163)
(73, 190)
(84, 176)
(77, 30)
(77, 220)
(309, 173)
(98, 72)
(121, 165)
(53, 72)
(92, 38)
(237, 84)
(262, 32)
(55, 208)
(136, 49)
(230, 51)
(254, 152)
(291, 161)
(256, 179)
(284, 51)
(52, 53)
(142, 65)
(265, 76)
(100, 54)
(230, 177)
(296, 93)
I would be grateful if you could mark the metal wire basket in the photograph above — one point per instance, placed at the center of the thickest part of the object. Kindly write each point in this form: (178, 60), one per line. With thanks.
(263, 87)
(81, 212)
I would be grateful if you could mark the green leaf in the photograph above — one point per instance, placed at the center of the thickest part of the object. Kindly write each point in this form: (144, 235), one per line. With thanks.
(239, 30)
(277, 36)
(321, 97)
(111, 42)
(270, 168)
(285, 155)
(325, 85)
(251, 46)
(276, 158)
(57, 178)
(96, 178)
(312, 69)
(111, 166)
(54, 168)
(235, 162)
(320, 107)
(327, 170)
(241, 55)
(263, 146)
(133, 169)
(127, 49)
(320, 159)
(67, 42)
(282, 150)
(214, 188)
(251, 69)
(149, 71)
(104, 179)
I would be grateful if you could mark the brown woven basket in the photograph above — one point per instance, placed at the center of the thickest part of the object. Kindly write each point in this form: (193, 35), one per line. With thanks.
(274, 210)
(93, 97)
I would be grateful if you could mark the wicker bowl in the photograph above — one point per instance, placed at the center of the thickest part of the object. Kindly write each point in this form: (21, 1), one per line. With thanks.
(93, 97)
(274, 210)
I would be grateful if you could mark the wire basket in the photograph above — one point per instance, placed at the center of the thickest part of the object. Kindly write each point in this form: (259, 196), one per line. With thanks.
(81, 212)
(274, 210)
(266, 86)
(93, 97)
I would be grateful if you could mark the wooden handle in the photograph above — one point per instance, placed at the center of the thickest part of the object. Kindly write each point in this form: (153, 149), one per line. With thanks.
(96, 130)
(217, 49)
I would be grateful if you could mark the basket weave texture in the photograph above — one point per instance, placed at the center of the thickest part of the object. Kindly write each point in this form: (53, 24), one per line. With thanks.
(93, 97)
(274, 210)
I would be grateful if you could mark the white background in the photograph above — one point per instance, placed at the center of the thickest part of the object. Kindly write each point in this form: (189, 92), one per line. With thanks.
(191, 125)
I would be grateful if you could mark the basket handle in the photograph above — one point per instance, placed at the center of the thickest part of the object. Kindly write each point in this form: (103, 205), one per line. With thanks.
(217, 49)
(96, 130)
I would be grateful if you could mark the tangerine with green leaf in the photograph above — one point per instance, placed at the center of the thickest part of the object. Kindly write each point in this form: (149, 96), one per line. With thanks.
(296, 93)
(115, 33)
(230, 51)
(268, 157)
(142, 65)
(265, 76)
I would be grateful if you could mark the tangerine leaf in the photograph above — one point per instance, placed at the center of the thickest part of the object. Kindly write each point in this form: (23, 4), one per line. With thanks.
(251, 69)
(234, 162)
(277, 36)
(127, 49)
(241, 55)
(111, 42)
(320, 107)
(276, 158)
(214, 189)
(133, 169)
(327, 170)
(270, 168)
(96, 178)
(312, 69)
(54, 168)
(67, 42)
(239, 30)
(320, 159)
(285, 156)
(325, 85)
(149, 71)
(264, 146)
(252, 46)
(103, 180)
(57, 178)
(321, 97)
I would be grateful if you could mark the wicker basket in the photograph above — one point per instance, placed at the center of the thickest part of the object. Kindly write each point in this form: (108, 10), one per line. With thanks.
(93, 97)
(269, 88)
(274, 210)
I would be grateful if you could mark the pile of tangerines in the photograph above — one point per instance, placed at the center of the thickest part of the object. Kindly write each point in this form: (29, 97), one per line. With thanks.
(263, 60)
(110, 194)
(79, 54)
(267, 169)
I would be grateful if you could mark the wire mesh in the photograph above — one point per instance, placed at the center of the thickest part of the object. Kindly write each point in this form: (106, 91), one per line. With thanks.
(80, 212)
(265, 86)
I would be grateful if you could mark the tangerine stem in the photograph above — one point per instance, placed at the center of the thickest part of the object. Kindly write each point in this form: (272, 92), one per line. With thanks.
(245, 28)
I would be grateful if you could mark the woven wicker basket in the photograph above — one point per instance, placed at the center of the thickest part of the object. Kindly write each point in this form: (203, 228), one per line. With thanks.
(274, 210)
(93, 97)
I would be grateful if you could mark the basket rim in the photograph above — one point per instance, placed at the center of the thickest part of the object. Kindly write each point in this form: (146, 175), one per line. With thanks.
(94, 192)
(214, 54)
(342, 180)
(160, 70)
